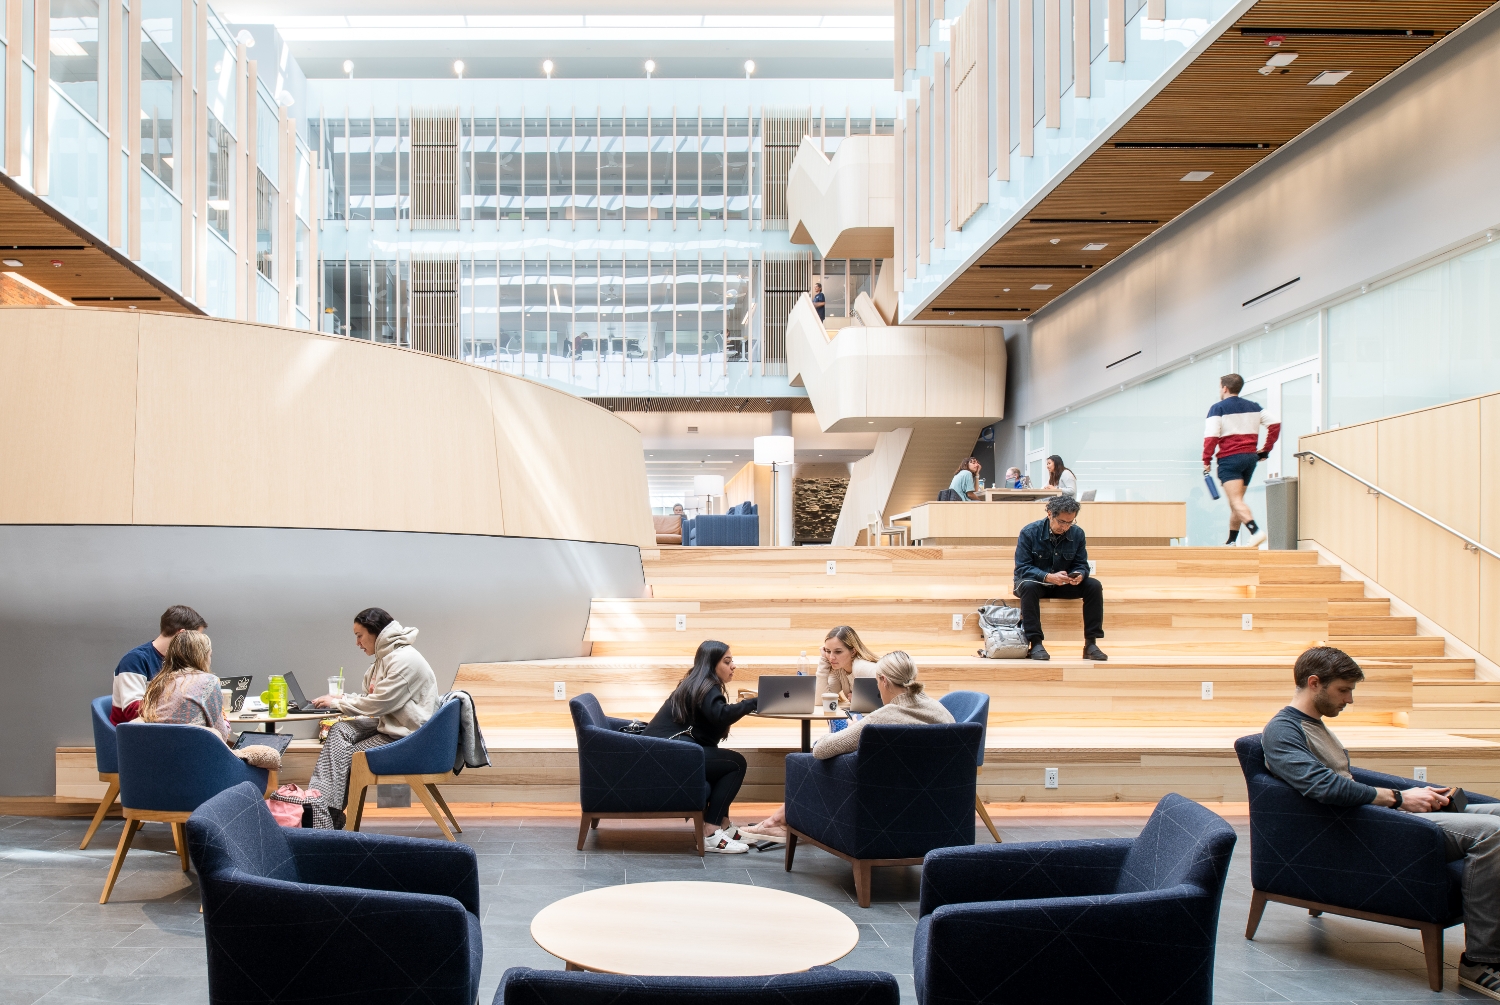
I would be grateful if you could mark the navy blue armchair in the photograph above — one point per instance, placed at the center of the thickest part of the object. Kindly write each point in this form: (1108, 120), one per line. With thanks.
(623, 775)
(974, 706)
(904, 792)
(818, 986)
(1389, 866)
(305, 915)
(740, 527)
(106, 760)
(166, 772)
(1117, 920)
(420, 759)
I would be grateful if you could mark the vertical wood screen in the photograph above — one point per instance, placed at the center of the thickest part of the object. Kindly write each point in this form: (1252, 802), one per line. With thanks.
(434, 170)
(786, 277)
(970, 131)
(783, 132)
(434, 304)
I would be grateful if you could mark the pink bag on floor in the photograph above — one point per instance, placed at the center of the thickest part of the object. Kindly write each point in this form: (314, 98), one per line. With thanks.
(286, 804)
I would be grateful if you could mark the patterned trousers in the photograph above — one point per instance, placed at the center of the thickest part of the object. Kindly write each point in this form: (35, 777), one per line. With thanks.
(331, 776)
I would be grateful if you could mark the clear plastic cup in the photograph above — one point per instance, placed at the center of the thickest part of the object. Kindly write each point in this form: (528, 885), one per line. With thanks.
(335, 685)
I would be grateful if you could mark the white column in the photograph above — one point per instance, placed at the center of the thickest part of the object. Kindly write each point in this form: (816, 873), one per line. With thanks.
(781, 425)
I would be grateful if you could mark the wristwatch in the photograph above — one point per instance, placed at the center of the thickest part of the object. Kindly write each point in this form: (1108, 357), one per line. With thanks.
(1397, 794)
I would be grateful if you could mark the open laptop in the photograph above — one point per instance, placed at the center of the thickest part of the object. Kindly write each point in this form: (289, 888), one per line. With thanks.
(255, 738)
(866, 696)
(239, 686)
(297, 703)
(787, 695)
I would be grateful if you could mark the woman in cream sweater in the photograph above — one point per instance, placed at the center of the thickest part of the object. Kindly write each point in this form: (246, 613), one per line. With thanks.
(896, 676)
(844, 658)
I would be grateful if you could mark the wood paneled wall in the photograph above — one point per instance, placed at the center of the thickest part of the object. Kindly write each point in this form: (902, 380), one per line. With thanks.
(139, 417)
(1433, 571)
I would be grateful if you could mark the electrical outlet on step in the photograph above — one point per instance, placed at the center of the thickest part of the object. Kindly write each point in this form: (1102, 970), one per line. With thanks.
(682, 622)
(560, 690)
(1208, 690)
(1049, 780)
(1419, 773)
(1247, 622)
(833, 567)
(958, 622)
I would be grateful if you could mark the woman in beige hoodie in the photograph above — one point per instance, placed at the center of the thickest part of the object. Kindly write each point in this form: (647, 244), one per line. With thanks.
(399, 694)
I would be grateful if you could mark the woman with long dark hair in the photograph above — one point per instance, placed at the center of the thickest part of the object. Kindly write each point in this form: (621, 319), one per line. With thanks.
(699, 711)
(1060, 478)
(965, 479)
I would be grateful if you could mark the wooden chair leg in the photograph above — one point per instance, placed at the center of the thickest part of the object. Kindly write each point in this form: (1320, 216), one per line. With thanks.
(431, 787)
(583, 830)
(984, 815)
(179, 838)
(1432, 948)
(104, 805)
(791, 847)
(1313, 912)
(360, 779)
(432, 809)
(594, 823)
(126, 836)
(862, 882)
(1257, 908)
(697, 819)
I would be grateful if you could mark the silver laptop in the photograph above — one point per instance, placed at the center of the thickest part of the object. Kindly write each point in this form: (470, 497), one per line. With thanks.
(782, 695)
(866, 697)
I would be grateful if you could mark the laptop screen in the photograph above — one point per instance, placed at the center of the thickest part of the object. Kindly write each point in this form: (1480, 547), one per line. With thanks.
(294, 691)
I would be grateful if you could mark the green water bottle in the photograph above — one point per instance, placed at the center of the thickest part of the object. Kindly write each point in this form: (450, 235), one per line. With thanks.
(276, 696)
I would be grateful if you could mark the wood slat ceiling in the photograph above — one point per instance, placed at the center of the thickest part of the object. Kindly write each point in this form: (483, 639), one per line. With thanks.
(90, 273)
(1218, 115)
(711, 404)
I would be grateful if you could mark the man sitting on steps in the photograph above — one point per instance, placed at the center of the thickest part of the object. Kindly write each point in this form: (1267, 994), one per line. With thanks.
(1052, 561)
(1303, 752)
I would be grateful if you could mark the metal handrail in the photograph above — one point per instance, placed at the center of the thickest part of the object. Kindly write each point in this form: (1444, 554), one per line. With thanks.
(1469, 543)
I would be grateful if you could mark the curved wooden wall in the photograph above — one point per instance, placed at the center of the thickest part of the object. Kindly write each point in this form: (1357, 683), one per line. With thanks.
(136, 417)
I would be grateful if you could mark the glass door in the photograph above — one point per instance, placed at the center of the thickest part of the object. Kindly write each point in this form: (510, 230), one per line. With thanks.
(1291, 396)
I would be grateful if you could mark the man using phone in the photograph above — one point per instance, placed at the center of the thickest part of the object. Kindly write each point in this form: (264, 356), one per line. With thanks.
(1303, 752)
(1052, 561)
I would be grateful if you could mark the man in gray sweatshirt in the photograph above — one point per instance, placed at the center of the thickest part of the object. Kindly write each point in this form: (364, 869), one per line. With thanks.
(1303, 752)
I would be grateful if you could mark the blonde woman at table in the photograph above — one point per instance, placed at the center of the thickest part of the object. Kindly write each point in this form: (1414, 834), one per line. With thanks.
(896, 676)
(400, 693)
(185, 691)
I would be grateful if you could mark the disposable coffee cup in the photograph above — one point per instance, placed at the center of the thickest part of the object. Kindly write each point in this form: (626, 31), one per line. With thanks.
(228, 694)
(830, 702)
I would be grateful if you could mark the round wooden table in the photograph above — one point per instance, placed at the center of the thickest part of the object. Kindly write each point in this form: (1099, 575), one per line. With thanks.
(658, 929)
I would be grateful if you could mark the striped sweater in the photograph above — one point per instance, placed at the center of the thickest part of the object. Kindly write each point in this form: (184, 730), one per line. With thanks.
(1234, 426)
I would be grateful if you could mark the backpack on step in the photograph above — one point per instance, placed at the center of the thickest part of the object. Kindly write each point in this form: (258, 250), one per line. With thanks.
(1003, 637)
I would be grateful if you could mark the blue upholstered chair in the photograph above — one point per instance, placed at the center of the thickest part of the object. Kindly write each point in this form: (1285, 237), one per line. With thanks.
(740, 527)
(622, 775)
(818, 986)
(106, 758)
(420, 760)
(904, 792)
(1389, 866)
(305, 915)
(166, 772)
(974, 706)
(1131, 920)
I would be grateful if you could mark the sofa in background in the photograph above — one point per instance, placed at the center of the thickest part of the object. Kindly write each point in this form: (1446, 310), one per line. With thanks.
(668, 528)
(740, 527)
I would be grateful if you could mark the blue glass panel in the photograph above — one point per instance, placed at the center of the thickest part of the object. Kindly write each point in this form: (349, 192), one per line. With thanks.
(161, 231)
(78, 169)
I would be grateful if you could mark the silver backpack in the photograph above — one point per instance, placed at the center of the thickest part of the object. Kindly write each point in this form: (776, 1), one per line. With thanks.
(1003, 637)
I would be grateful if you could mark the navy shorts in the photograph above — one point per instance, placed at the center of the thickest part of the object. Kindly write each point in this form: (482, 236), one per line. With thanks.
(1237, 468)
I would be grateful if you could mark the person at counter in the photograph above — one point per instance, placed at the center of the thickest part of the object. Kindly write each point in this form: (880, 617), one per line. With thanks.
(1015, 480)
(1060, 478)
(140, 666)
(399, 694)
(966, 480)
(698, 710)
(1052, 561)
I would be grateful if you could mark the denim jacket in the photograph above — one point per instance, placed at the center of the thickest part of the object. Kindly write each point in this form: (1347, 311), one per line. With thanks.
(1039, 551)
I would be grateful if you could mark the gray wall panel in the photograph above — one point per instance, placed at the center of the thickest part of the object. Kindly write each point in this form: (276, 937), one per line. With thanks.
(73, 599)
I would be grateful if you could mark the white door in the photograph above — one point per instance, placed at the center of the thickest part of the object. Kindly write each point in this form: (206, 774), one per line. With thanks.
(1292, 396)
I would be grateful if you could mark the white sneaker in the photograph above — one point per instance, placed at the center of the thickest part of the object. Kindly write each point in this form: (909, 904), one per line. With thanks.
(722, 844)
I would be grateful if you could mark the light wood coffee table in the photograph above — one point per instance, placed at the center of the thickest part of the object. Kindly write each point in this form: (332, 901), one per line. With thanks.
(657, 929)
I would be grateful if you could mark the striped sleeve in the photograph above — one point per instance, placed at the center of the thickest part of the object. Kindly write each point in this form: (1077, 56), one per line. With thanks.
(1272, 428)
(1213, 430)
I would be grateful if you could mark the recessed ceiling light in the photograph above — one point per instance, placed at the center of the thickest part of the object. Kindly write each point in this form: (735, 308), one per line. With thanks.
(1096, 246)
(1197, 176)
(1055, 240)
(14, 263)
(1042, 286)
(1276, 62)
(1006, 290)
(1328, 78)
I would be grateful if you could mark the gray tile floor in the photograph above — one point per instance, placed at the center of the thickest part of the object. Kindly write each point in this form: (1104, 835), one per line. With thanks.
(58, 945)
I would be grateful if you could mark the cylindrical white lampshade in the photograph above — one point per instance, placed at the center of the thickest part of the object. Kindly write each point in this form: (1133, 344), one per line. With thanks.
(708, 485)
(774, 450)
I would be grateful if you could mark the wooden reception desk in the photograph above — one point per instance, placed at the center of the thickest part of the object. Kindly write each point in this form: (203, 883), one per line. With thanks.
(1117, 523)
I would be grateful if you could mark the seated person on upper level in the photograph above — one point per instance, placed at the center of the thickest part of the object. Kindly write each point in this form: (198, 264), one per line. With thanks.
(400, 693)
(896, 676)
(1015, 480)
(185, 690)
(138, 667)
(1303, 752)
(965, 481)
(698, 710)
(1052, 562)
